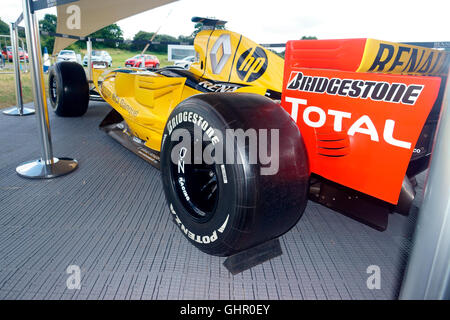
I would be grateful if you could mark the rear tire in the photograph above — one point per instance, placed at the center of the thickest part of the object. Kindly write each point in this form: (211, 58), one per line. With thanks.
(68, 89)
(224, 208)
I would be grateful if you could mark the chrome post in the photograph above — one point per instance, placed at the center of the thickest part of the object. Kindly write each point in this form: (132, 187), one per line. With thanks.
(2, 61)
(428, 271)
(18, 110)
(25, 63)
(89, 62)
(47, 166)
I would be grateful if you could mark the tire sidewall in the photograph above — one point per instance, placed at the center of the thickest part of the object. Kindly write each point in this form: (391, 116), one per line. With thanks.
(59, 99)
(72, 89)
(264, 206)
(217, 231)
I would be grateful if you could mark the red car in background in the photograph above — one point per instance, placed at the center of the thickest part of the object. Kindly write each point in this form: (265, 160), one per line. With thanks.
(151, 61)
(7, 54)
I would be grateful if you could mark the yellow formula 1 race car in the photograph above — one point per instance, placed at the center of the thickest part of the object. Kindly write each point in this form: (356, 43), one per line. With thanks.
(222, 208)
(236, 170)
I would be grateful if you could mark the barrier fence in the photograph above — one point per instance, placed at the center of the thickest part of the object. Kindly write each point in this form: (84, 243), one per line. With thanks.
(19, 109)
(5, 42)
(47, 166)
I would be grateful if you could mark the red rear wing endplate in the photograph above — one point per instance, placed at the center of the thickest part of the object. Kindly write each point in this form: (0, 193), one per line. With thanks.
(360, 128)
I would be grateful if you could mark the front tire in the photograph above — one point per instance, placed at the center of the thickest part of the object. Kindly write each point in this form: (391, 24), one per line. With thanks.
(221, 207)
(68, 89)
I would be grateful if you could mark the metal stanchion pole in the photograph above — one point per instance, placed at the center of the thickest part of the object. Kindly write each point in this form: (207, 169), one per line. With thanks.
(142, 66)
(428, 272)
(18, 110)
(89, 62)
(25, 63)
(3, 62)
(48, 166)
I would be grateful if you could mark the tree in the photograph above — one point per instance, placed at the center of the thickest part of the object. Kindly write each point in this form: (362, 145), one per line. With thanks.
(4, 27)
(4, 30)
(111, 32)
(186, 39)
(48, 24)
(147, 36)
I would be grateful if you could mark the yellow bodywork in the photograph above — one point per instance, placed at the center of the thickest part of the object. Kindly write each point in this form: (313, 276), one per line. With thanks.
(396, 58)
(145, 99)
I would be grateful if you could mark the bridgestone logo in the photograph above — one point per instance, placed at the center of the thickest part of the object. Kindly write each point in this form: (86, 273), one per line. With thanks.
(262, 145)
(362, 89)
(195, 119)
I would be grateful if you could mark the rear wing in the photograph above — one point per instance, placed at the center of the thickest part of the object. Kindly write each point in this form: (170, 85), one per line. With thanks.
(361, 105)
(209, 23)
(367, 55)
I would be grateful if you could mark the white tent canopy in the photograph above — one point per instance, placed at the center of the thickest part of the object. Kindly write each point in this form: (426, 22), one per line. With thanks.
(96, 14)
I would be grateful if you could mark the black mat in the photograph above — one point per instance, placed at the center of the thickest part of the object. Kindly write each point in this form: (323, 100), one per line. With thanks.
(110, 218)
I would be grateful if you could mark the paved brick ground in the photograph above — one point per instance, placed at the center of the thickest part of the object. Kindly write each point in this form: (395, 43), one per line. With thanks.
(110, 218)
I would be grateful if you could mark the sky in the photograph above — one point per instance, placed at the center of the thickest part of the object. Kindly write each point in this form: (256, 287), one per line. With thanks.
(277, 21)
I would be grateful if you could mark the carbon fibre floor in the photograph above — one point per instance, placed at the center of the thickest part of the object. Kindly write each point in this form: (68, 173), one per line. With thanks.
(110, 218)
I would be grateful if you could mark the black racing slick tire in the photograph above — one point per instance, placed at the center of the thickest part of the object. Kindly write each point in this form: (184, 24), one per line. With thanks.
(226, 206)
(68, 89)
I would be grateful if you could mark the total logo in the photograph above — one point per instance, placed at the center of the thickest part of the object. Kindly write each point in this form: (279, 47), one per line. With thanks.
(362, 125)
(252, 64)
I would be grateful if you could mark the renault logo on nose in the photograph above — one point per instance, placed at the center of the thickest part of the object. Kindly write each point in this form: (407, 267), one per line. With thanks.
(252, 64)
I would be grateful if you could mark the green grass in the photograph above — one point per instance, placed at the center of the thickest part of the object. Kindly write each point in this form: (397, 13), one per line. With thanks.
(7, 84)
(7, 88)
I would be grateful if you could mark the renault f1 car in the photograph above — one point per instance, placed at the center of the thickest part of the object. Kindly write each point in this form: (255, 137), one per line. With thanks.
(351, 122)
